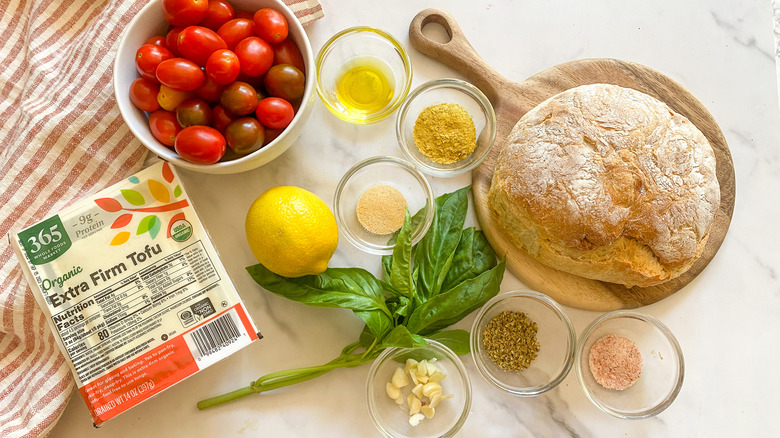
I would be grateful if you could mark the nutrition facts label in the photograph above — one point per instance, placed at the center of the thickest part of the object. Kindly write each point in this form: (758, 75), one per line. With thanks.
(133, 308)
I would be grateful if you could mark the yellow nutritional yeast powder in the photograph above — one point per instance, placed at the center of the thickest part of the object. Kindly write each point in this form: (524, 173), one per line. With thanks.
(445, 133)
(381, 210)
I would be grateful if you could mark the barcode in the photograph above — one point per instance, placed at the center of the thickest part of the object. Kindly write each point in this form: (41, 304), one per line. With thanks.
(216, 334)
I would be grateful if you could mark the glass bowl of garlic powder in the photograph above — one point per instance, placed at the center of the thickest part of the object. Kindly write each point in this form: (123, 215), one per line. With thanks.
(418, 392)
(371, 200)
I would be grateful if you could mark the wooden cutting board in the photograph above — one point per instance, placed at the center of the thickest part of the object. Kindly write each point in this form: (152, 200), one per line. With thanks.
(511, 100)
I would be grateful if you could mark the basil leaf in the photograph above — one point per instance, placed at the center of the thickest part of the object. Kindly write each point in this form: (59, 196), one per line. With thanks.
(346, 288)
(401, 271)
(458, 340)
(472, 257)
(387, 260)
(453, 305)
(377, 322)
(435, 251)
(401, 337)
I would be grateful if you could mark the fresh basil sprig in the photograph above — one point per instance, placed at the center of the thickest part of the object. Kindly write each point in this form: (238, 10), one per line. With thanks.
(429, 286)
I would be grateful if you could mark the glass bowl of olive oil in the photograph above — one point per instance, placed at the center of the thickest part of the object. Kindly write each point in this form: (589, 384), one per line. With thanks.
(363, 74)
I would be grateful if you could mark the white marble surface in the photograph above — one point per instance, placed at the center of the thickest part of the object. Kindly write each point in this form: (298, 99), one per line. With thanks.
(727, 321)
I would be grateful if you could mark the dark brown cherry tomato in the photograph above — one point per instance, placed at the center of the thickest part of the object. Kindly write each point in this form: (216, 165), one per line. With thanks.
(157, 41)
(222, 66)
(196, 43)
(143, 94)
(270, 25)
(221, 118)
(236, 30)
(245, 14)
(193, 112)
(275, 113)
(245, 135)
(171, 41)
(255, 56)
(219, 12)
(287, 52)
(180, 74)
(239, 98)
(284, 81)
(209, 90)
(148, 57)
(184, 12)
(200, 144)
(164, 126)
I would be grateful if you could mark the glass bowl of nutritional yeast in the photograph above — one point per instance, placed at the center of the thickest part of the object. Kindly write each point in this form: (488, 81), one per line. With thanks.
(371, 200)
(446, 127)
(522, 342)
(363, 74)
(629, 364)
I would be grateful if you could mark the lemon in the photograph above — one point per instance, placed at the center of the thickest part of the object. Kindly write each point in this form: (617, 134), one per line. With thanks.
(291, 231)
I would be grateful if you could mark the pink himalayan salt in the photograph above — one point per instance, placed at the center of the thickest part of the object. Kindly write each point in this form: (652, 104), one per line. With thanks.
(615, 362)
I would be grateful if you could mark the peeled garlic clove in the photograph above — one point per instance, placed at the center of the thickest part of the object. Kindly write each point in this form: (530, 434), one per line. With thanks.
(435, 400)
(414, 404)
(415, 419)
(422, 368)
(410, 363)
(437, 376)
(431, 388)
(392, 391)
(428, 411)
(399, 378)
(417, 390)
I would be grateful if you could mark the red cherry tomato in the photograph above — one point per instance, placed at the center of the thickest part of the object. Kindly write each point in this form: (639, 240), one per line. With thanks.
(219, 12)
(148, 57)
(275, 113)
(221, 118)
(236, 30)
(222, 66)
(239, 98)
(164, 126)
(270, 25)
(143, 94)
(200, 144)
(287, 52)
(180, 74)
(196, 43)
(184, 12)
(255, 56)
(157, 41)
(209, 90)
(171, 40)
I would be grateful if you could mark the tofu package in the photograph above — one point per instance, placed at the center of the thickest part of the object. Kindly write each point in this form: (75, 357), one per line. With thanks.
(133, 290)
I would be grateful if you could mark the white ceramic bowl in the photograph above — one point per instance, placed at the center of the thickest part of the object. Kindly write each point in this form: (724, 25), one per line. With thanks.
(149, 22)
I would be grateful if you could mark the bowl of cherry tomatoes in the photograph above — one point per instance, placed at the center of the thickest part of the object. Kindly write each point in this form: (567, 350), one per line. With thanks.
(223, 86)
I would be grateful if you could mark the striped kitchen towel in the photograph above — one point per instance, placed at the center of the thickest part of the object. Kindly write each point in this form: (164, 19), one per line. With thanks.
(61, 138)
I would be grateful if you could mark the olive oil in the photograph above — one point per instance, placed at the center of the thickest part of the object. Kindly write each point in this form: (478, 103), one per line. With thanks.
(365, 86)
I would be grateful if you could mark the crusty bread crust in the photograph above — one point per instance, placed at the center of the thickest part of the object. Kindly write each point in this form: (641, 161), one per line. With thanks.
(607, 183)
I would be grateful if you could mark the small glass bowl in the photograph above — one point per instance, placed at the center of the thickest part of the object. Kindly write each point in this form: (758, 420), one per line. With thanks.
(361, 47)
(382, 170)
(453, 91)
(556, 343)
(392, 419)
(662, 365)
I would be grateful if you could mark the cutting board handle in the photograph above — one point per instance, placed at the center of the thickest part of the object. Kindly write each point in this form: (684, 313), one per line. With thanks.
(456, 53)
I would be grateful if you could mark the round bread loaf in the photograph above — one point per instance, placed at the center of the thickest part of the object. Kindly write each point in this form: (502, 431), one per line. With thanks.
(607, 183)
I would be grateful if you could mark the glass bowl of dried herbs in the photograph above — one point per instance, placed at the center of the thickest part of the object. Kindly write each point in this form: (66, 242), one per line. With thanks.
(629, 364)
(523, 342)
(371, 200)
(446, 127)
(418, 392)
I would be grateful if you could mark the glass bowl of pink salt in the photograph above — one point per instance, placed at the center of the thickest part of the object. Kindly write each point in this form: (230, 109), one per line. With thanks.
(372, 199)
(629, 364)
(523, 342)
